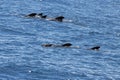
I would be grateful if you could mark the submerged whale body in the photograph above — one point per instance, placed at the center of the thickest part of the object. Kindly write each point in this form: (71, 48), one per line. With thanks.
(44, 16)
(67, 45)
(60, 18)
(47, 45)
(95, 48)
(32, 15)
(40, 14)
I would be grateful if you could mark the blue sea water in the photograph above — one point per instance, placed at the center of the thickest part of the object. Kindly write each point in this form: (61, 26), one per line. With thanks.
(94, 22)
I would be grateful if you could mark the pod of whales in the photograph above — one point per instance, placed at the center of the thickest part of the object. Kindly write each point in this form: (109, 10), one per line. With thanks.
(40, 15)
(68, 45)
(59, 19)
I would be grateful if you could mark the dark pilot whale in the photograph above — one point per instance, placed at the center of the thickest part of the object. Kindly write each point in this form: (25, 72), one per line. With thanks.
(31, 15)
(95, 48)
(59, 18)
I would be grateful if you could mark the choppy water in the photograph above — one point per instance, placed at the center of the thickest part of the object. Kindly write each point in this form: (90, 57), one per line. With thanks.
(95, 22)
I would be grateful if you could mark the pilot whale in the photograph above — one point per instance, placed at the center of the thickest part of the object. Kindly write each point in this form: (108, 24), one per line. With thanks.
(95, 48)
(31, 15)
(59, 18)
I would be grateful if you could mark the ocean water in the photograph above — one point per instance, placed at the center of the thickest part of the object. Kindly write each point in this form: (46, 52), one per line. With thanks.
(94, 22)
